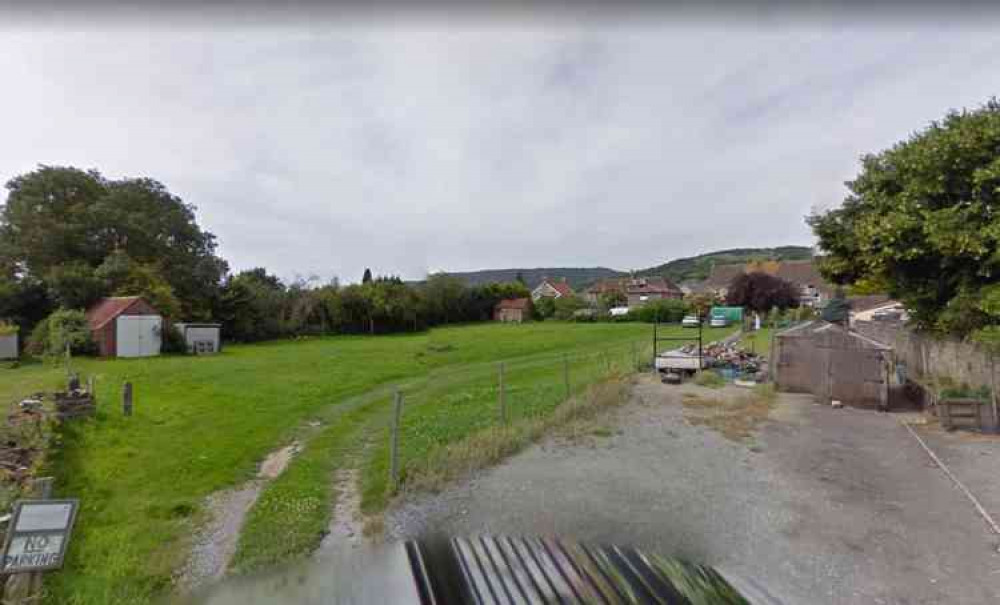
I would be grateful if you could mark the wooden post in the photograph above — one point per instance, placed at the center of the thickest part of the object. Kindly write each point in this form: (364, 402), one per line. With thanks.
(635, 358)
(503, 401)
(26, 588)
(394, 443)
(127, 398)
(566, 373)
(90, 387)
(993, 393)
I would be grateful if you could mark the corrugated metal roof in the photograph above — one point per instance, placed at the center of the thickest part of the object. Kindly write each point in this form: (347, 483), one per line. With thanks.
(501, 570)
(107, 309)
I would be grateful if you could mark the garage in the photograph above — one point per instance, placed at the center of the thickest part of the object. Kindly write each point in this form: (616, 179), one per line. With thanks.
(125, 326)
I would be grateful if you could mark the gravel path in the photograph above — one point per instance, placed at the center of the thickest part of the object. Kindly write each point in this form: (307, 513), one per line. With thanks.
(215, 542)
(823, 506)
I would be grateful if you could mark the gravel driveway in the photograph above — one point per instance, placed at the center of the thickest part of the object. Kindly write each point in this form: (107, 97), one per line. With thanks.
(822, 506)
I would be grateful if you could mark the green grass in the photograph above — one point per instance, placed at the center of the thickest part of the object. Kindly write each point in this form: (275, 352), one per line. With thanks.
(202, 424)
(758, 341)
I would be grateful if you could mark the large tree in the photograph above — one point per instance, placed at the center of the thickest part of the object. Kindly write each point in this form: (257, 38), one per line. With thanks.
(761, 292)
(922, 222)
(60, 224)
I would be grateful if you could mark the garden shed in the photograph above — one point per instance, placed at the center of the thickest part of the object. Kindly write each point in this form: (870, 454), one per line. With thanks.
(833, 363)
(125, 326)
(201, 338)
(9, 346)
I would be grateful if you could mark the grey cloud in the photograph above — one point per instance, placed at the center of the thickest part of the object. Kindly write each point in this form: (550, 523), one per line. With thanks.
(414, 147)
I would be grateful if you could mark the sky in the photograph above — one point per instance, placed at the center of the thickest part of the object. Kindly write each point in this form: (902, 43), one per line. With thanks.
(322, 147)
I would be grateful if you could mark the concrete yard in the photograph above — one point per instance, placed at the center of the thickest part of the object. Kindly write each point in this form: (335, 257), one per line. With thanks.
(821, 505)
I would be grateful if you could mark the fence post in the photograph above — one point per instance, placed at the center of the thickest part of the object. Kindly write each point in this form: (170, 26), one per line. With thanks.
(993, 392)
(127, 398)
(635, 358)
(503, 400)
(566, 373)
(394, 439)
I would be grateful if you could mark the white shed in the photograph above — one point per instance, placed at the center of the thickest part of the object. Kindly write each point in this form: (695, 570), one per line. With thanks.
(201, 338)
(8, 344)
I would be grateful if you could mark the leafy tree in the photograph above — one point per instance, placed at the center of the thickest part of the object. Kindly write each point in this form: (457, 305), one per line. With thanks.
(545, 307)
(760, 291)
(367, 277)
(56, 216)
(612, 299)
(921, 220)
(74, 285)
(700, 304)
(566, 306)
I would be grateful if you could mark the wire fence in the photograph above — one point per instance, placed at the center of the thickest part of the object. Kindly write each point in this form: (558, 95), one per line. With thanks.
(457, 402)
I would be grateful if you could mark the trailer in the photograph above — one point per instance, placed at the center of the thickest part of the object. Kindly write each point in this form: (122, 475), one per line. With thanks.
(679, 361)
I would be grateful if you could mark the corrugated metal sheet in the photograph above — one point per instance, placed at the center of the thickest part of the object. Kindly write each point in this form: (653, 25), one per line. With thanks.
(502, 570)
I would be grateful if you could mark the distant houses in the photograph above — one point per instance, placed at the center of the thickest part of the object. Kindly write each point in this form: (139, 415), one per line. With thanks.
(814, 291)
(551, 289)
(634, 291)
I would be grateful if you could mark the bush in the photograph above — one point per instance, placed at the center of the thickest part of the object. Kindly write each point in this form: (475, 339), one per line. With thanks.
(667, 311)
(63, 328)
(172, 341)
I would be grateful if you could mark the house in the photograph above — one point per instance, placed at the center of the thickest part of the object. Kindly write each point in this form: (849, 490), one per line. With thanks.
(636, 291)
(125, 326)
(814, 291)
(551, 289)
(594, 293)
(720, 277)
(201, 338)
(875, 306)
(641, 290)
(512, 309)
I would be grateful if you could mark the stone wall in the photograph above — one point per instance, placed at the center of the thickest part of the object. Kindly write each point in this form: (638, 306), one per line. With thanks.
(928, 359)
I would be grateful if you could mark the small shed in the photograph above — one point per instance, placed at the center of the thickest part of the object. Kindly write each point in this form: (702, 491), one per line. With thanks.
(125, 326)
(832, 362)
(201, 338)
(9, 347)
(512, 310)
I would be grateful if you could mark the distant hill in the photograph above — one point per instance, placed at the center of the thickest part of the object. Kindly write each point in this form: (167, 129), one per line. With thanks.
(678, 270)
(577, 277)
(698, 267)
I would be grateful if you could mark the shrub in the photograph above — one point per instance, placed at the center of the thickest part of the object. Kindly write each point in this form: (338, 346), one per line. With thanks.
(63, 328)
(172, 341)
(667, 311)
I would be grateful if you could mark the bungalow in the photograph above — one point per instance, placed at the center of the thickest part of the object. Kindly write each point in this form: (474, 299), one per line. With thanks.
(512, 310)
(551, 289)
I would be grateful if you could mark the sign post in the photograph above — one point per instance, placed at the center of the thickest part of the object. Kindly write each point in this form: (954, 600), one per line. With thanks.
(38, 535)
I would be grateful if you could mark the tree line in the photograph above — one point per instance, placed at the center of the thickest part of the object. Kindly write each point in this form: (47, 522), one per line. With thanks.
(69, 237)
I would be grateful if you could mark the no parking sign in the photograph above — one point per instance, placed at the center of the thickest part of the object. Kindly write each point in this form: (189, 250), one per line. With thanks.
(38, 535)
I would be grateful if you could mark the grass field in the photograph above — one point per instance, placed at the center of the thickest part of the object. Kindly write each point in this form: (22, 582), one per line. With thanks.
(202, 424)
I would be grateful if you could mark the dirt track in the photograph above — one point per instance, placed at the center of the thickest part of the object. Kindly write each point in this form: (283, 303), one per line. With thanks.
(820, 506)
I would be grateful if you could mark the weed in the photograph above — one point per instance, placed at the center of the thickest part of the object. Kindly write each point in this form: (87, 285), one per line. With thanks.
(710, 379)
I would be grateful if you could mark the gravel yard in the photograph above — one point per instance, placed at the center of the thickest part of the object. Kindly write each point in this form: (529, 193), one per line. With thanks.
(817, 506)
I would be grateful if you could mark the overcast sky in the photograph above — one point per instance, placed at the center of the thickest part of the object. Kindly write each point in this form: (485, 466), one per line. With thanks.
(413, 146)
